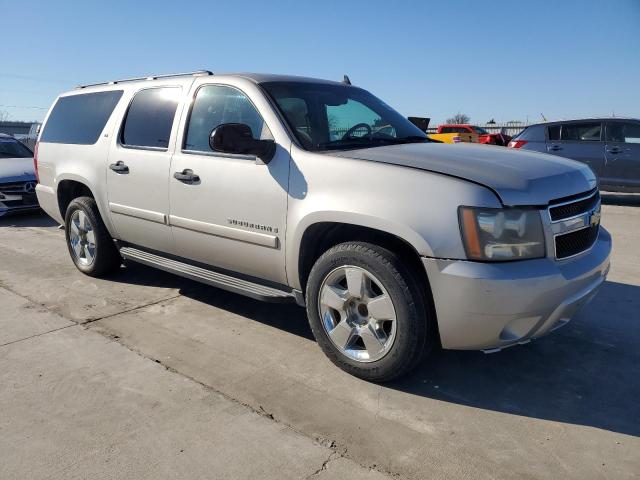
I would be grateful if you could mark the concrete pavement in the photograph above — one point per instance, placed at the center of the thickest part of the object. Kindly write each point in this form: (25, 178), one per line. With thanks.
(565, 405)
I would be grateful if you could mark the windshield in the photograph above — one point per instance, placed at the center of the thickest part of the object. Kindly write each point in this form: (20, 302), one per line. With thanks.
(340, 117)
(11, 148)
(480, 130)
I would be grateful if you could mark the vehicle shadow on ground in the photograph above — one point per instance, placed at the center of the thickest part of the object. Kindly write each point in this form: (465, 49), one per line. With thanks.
(621, 199)
(283, 316)
(584, 374)
(35, 219)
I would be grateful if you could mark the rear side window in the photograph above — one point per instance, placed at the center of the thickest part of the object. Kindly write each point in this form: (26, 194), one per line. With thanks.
(150, 117)
(80, 119)
(554, 132)
(532, 133)
(626, 132)
(581, 132)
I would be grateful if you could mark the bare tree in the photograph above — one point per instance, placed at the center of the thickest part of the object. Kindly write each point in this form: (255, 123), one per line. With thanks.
(4, 115)
(459, 118)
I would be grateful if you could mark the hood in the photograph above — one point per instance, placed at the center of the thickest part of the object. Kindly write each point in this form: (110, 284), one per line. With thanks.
(16, 170)
(518, 177)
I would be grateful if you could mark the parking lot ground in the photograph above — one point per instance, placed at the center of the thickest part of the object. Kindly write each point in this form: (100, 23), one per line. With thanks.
(563, 406)
(75, 404)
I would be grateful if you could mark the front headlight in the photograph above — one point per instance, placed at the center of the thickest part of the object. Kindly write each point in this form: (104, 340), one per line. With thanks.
(496, 234)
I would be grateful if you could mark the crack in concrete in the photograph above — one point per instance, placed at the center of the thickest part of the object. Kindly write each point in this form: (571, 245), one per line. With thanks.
(84, 324)
(323, 467)
(37, 335)
(128, 310)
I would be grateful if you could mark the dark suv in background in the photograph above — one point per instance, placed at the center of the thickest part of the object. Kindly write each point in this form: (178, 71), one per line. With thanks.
(610, 146)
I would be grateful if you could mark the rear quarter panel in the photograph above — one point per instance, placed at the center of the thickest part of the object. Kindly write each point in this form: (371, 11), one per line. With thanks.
(82, 163)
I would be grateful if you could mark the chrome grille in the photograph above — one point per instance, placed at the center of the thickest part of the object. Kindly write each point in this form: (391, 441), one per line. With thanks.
(575, 223)
(572, 209)
(575, 242)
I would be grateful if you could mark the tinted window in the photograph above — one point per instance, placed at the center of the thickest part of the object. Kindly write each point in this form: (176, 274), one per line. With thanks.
(218, 104)
(581, 132)
(80, 119)
(627, 132)
(150, 118)
(340, 117)
(343, 117)
(554, 132)
(11, 148)
(298, 114)
(533, 133)
(447, 130)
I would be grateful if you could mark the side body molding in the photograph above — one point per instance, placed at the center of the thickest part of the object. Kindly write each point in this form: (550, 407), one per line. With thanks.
(256, 238)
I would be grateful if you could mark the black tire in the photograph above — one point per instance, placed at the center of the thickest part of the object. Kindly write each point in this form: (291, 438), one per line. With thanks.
(106, 258)
(415, 334)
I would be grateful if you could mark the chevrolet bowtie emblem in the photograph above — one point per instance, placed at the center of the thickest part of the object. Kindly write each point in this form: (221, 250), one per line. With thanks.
(594, 219)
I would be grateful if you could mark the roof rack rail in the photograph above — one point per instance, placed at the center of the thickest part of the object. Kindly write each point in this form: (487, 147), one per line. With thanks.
(197, 73)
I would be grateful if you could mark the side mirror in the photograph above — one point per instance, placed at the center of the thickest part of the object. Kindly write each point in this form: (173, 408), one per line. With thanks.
(421, 122)
(237, 138)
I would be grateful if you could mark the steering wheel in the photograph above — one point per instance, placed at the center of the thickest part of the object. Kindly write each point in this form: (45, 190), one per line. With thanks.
(356, 127)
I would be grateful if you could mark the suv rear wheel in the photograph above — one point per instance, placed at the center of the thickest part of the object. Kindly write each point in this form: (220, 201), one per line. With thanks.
(367, 312)
(90, 245)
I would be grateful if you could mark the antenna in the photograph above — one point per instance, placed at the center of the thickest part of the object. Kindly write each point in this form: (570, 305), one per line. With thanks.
(544, 119)
(345, 80)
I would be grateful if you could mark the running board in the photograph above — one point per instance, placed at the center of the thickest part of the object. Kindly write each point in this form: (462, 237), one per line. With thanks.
(210, 277)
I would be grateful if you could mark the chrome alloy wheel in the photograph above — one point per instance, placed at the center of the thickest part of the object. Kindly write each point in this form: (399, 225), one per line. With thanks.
(357, 313)
(82, 238)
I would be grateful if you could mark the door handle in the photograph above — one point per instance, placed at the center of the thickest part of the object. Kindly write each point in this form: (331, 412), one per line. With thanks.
(555, 148)
(186, 176)
(119, 167)
(614, 150)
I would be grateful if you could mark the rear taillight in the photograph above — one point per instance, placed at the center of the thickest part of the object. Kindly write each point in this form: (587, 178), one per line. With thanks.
(35, 162)
(517, 143)
(456, 139)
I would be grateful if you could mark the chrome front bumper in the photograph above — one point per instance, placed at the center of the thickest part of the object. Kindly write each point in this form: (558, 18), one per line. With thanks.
(487, 306)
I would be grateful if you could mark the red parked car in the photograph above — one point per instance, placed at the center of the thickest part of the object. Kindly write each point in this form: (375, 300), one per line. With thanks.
(483, 135)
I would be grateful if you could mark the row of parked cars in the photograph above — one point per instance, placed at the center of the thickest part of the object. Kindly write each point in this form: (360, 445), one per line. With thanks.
(464, 132)
(610, 146)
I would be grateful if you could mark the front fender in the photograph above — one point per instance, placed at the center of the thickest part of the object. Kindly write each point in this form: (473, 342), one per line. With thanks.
(417, 206)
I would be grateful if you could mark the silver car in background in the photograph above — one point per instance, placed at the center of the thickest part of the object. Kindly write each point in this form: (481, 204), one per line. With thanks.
(17, 177)
(610, 146)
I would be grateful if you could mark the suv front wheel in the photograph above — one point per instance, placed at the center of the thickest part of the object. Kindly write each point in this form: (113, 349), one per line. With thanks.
(90, 245)
(367, 311)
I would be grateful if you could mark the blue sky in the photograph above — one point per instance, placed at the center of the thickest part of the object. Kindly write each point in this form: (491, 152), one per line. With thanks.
(502, 60)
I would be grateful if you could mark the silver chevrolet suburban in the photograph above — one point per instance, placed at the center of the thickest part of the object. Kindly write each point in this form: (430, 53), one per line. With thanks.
(295, 189)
